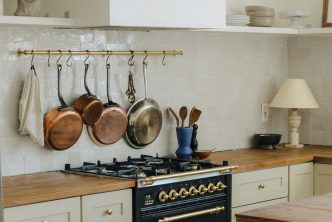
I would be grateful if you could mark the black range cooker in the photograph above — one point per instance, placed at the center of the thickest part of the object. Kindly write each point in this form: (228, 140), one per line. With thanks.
(168, 189)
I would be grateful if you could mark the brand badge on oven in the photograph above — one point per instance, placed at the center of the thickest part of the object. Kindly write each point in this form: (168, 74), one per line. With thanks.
(148, 200)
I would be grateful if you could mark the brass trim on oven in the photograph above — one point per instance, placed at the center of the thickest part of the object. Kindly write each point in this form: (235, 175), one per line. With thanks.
(152, 179)
(215, 210)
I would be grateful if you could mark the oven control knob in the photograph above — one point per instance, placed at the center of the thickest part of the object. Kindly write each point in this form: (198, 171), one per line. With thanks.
(163, 196)
(211, 188)
(173, 195)
(193, 191)
(220, 186)
(202, 189)
(183, 193)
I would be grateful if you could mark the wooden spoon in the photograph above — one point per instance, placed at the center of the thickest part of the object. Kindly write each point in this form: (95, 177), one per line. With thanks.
(174, 115)
(194, 116)
(183, 114)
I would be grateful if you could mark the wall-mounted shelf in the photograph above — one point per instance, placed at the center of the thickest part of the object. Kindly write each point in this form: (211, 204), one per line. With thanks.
(271, 30)
(36, 21)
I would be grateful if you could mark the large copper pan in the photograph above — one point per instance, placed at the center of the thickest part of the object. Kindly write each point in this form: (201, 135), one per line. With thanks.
(63, 125)
(112, 123)
(144, 119)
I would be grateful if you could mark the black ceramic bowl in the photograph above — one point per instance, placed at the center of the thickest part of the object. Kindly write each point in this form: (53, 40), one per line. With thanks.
(268, 141)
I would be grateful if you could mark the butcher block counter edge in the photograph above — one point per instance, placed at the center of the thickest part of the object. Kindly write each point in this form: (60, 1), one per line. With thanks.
(251, 159)
(48, 186)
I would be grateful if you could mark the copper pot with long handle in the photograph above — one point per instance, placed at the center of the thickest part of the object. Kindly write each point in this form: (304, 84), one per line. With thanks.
(112, 123)
(62, 125)
(88, 105)
(144, 119)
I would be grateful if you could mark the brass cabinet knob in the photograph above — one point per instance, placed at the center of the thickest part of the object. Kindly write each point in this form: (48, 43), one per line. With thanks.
(173, 195)
(220, 186)
(261, 186)
(193, 191)
(202, 189)
(109, 212)
(163, 196)
(211, 188)
(183, 193)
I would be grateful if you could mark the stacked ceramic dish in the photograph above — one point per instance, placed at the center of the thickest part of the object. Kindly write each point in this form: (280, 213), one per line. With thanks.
(260, 16)
(237, 20)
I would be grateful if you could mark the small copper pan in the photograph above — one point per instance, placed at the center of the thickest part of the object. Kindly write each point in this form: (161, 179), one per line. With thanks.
(112, 123)
(63, 125)
(88, 105)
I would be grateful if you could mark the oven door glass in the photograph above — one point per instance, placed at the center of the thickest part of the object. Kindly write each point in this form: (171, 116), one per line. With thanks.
(212, 211)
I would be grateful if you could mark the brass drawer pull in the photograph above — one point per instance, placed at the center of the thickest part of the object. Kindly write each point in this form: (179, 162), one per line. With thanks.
(215, 210)
(261, 186)
(109, 212)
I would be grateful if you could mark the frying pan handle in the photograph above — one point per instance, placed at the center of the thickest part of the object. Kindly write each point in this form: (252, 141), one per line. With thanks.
(85, 81)
(145, 68)
(109, 103)
(62, 102)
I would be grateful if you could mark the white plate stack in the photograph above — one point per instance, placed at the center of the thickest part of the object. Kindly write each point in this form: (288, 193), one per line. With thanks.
(260, 16)
(237, 20)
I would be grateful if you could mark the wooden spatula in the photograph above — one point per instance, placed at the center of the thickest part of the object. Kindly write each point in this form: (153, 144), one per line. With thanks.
(174, 115)
(183, 114)
(194, 116)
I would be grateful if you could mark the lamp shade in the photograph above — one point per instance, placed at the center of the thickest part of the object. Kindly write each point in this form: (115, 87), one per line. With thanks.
(294, 93)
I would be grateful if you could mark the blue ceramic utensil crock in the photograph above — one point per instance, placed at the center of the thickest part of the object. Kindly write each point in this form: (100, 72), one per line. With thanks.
(184, 135)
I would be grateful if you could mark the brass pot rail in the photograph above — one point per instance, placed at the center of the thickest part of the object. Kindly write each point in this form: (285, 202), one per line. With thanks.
(215, 210)
(103, 52)
(152, 179)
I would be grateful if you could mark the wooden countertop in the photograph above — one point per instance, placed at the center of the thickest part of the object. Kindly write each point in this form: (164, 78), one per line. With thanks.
(256, 159)
(314, 209)
(40, 187)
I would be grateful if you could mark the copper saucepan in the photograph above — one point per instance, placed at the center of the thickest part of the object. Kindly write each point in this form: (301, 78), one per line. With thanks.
(88, 105)
(112, 123)
(63, 125)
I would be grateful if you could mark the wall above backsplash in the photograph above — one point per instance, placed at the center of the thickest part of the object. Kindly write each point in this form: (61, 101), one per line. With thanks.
(227, 76)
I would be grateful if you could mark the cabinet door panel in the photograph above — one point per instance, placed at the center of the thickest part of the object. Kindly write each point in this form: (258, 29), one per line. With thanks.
(301, 181)
(258, 186)
(66, 210)
(104, 207)
(323, 179)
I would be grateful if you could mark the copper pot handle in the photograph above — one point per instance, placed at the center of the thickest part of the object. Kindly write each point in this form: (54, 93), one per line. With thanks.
(63, 104)
(86, 69)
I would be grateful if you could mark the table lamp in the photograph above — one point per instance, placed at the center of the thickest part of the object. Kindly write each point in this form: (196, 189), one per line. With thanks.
(294, 94)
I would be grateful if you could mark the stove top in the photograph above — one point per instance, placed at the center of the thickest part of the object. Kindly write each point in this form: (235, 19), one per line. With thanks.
(143, 167)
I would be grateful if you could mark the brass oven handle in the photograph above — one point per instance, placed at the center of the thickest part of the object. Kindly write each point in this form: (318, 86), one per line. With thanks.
(215, 210)
(152, 179)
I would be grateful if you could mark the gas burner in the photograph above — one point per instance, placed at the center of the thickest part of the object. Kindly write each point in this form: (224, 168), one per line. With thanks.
(191, 167)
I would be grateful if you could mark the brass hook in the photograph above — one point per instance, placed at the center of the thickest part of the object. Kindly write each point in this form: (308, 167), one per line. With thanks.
(70, 56)
(32, 58)
(163, 61)
(49, 58)
(57, 62)
(109, 53)
(146, 56)
(89, 53)
(131, 61)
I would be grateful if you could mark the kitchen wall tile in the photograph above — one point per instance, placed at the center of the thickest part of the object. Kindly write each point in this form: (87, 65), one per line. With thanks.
(225, 75)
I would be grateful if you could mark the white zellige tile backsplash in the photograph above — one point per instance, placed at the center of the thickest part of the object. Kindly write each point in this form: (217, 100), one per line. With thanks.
(227, 76)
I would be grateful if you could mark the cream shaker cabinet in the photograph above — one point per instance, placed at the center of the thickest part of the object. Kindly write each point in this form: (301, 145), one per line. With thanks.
(66, 210)
(107, 207)
(301, 181)
(323, 179)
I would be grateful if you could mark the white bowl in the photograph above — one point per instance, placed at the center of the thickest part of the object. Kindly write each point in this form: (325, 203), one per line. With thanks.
(262, 13)
(253, 8)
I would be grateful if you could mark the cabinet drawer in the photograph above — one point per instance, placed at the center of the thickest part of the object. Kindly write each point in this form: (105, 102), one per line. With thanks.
(113, 206)
(237, 210)
(258, 186)
(66, 210)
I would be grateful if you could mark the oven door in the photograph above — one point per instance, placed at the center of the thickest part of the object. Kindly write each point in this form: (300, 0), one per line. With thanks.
(211, 211)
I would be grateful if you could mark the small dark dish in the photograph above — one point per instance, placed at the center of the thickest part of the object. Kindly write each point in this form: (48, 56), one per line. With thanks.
(266, 141)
